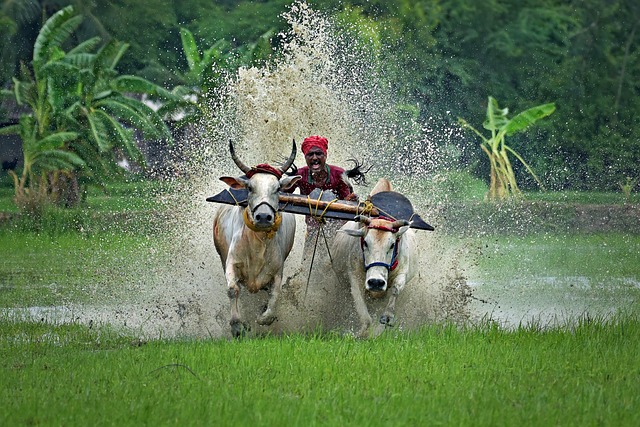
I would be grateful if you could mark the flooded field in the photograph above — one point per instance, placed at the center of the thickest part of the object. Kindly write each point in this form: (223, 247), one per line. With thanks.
(173, 285)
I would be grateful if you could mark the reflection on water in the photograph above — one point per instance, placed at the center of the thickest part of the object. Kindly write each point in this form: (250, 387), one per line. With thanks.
(552, 301)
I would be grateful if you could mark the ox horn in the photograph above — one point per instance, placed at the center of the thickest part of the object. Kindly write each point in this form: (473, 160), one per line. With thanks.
(291, 158)
(399, 223)
(363, 219)
(244, 168)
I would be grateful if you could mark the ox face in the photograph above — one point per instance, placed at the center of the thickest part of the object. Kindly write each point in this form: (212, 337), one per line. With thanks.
(379, 240)
(262, 201)
(263, 182)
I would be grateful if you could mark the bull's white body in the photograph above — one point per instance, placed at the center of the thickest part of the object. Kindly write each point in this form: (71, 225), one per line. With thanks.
(349, 259)
(254, 242)
(251, 258)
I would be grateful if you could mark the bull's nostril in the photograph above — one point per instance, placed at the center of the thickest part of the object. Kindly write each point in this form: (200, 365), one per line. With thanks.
(375, 284)
(263, 218)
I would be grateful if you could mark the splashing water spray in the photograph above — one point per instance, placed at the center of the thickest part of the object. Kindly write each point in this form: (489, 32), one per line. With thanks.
(323, 82)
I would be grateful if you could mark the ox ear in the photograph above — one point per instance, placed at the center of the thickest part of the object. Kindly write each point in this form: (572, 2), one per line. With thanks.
(235, 183)
(286, 182)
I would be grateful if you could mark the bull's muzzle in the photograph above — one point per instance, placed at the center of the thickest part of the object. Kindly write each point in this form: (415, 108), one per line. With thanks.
(263, 217)
(376, 285)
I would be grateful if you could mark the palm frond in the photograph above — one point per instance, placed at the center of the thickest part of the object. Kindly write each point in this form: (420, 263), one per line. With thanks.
(10, 130)
(86, 46)
(190, 48)
(138, 115)
(110, 54)
(134, 84)
(57, 160)
(122, 138)
(54, 141)
(55, 31)
(98, 133)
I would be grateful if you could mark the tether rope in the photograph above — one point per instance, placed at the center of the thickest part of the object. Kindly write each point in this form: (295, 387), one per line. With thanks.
(234, 197)
(314, 213)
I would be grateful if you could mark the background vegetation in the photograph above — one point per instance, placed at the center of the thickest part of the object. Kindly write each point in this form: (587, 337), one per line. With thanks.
(444, 56)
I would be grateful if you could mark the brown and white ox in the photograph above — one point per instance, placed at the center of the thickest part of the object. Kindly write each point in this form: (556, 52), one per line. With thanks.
(253, 242)
(376, 257)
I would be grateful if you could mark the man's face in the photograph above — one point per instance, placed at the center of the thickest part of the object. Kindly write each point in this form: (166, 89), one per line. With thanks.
(315, 160)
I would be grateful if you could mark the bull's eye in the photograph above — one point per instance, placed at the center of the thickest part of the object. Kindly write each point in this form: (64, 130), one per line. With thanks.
(391, 247)
(364, 244)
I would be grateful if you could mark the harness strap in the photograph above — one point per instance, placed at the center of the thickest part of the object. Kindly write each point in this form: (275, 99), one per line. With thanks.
(314, 213)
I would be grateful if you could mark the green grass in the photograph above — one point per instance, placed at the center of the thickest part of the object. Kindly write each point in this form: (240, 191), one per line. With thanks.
(46, 270)
(440, 375)
(459, 186)
(587, 197)
(117, 196)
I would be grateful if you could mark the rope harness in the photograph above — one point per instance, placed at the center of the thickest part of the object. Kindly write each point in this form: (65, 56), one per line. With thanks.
(270, 232)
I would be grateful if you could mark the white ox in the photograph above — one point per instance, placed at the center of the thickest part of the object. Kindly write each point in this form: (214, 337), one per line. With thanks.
(253, 242)
(375, 255)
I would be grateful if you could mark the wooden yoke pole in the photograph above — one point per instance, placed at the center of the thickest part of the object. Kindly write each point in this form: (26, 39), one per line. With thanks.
(321, 205)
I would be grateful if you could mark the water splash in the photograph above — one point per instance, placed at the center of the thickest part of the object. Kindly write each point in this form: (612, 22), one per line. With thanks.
(323, 81)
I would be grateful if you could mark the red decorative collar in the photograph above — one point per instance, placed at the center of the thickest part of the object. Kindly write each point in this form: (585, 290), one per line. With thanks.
(264, 168)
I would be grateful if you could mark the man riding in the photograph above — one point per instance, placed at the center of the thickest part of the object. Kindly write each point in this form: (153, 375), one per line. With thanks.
(319, 174)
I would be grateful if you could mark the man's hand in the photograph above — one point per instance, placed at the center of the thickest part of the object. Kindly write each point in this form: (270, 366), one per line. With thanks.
(352, 197)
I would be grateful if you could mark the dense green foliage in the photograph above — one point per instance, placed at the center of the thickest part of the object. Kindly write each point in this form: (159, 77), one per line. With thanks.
(441, 375)
(445, 56)
(81, 115)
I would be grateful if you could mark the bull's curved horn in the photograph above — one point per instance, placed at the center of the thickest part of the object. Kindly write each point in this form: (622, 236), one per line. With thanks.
(399, 223)
(363, 219)
(244, 168)
(291, 158)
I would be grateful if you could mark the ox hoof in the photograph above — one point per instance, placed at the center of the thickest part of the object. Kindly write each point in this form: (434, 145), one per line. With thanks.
(265, 319)
(238, 328)
(387, 319)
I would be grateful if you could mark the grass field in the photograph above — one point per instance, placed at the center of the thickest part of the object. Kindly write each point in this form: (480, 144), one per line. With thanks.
(441, 375)
(37, 269)
(583, 373)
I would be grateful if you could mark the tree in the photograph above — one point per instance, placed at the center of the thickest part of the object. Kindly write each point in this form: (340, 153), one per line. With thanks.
(205, 74)
(82, 115)
(502, 178)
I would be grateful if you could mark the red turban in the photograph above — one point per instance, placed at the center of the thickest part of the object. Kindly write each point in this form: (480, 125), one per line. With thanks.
(315, 142)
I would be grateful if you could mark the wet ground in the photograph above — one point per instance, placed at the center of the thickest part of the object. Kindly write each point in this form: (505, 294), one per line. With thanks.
(190, 299)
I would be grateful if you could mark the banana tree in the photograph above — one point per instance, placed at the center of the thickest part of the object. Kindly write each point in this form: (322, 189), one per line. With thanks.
(502, 178)
(45, 159)
(79, 93)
